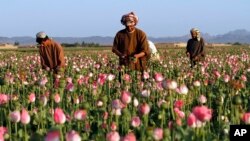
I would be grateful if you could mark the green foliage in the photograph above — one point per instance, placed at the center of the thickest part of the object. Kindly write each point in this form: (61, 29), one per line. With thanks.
(228, 101)
(237, 44)
(83, 44)
(16, 43)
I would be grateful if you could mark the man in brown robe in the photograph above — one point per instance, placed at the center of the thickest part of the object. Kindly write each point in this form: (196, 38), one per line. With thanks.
(195, 47)
(51, 54)
(131, 45)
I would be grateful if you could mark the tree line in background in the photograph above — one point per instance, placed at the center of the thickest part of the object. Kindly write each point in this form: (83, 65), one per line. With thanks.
(83, 44)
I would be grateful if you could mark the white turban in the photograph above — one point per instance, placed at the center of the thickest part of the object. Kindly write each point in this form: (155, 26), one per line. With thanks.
(198, 34)
(129, 19)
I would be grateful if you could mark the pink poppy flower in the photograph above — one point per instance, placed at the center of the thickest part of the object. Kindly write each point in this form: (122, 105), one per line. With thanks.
(3, 99)
(179, 113)
(173, 85)
(158, 77)
(32, 97)
(178, 104)
(129, 137)
(169, 84)
(105, 115)
(3, 130)
(25, 117)
(57, 98)
(80, 114)
(101, 78)
(15, 116)
(243, 78)
(144, 109)
(135, 121)
(53, 136)
(226, 78)
(117, 104)
(59, 116)
(202, 113)
(158, 134)
(73, 136)
(246, 118)
(183, 89)
(197, 83)
(191, 121)
(126, 97)
(145, 93)
(113, 126)
(202, 99)
(70, 87)
(126, 77)
(216, 74)
(145, 75)
(111, 77)
(69, 80)
(113, 136)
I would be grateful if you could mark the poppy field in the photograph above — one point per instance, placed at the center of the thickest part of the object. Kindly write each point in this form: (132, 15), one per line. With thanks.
(97, 100)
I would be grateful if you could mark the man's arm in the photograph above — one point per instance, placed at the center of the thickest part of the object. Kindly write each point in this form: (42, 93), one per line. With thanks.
(139, 55)
(115, 48)
(43, 63)
(44, 66)
(188, 49)
(118, 53)
(60, 56)
(202, 47)
(144, 51)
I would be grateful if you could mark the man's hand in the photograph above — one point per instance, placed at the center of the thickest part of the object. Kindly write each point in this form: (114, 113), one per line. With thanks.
(59, 69)
(136, 57)
(123, 56)
(196, 58)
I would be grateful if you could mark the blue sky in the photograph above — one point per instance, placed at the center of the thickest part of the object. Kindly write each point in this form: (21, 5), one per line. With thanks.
(158, 18)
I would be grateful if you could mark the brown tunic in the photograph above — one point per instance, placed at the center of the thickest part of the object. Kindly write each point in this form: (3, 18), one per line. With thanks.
(51, 55)
(196, 48)
(131, 44)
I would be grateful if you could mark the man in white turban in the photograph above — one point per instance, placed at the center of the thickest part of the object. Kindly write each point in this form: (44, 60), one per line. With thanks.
(195, 47)
(130, 44)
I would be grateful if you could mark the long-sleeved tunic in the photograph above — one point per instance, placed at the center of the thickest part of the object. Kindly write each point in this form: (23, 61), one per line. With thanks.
(51, 55)
(130, 44)
(195, 48)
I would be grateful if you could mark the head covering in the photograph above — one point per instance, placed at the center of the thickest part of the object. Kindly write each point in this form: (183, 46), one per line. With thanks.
(129, 19)
(41, 35)
(196, 30)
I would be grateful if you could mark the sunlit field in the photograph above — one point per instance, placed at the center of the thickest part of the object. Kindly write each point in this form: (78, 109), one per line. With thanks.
(169, 102)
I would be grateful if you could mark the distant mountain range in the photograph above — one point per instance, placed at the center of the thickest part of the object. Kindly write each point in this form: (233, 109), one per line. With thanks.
(241, 36)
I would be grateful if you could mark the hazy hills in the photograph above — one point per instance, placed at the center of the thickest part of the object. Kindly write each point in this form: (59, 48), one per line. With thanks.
(241, 36)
